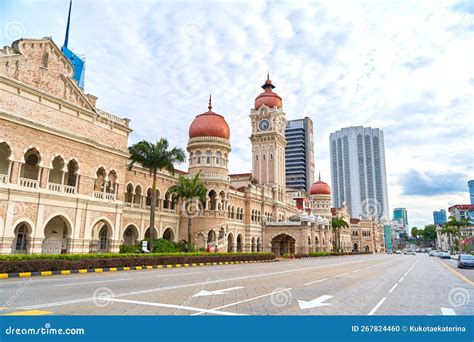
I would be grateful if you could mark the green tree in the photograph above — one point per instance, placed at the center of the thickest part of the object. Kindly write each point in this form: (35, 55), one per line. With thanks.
(429, 234)
(190, 190)
(452, 229)
(154, 157)
(337, 224)
(414, 232)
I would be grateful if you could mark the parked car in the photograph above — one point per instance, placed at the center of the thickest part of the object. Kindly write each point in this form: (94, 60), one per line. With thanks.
(398, 252)
(465, 261)
(388, 252)
(433, 253)
(410, 252)
(444, 255)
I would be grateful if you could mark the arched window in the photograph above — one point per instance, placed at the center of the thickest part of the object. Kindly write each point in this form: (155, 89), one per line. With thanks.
(5, 153)
(30, 169)
(208, 157)
(218, 158)
(21, 238)
(103, 239)
(129, 193)
(212, 200)
(112, 182)
(71, 174)
(198, 156)
(137, 198)
(56, 173)
(100, 180)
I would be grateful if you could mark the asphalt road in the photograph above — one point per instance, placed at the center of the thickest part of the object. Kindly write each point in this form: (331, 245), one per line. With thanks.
(345, 285)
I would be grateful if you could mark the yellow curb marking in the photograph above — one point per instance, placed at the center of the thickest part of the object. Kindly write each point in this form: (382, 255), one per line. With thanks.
(126, 268)
(466, 279)
(46, 273)
(28, 313)
(65, 272)
(138, 268)
(99, 270)
(113, 269)
(3, 275)
(83, 270)
(24, 274)
(149, 267)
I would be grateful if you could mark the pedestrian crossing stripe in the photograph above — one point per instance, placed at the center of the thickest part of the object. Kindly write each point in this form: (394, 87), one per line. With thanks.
(28, 313)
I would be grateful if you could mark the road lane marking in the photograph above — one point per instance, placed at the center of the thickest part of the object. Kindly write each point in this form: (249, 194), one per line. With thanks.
(401, 279)
(93, 282)
(245, 301)
(355, 271)
(406, 273)
(376, 307)
(166, 288)
(368, 267)
(316, 281)
(463, 277)
(393, 288)
(217, 292)
(172, 306)
(317, 302)
(340, 275)
(448, 312)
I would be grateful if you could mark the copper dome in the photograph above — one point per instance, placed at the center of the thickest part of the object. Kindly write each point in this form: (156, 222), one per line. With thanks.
(320, 188)
(209, 124)
(268, 97)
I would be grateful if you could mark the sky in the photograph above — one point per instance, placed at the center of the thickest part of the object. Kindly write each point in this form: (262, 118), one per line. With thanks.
(405, 67)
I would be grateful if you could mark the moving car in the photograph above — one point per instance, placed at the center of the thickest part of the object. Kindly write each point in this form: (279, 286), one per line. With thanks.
(465, 261)
(398, 252)
(433, 253)
(410, 252)
(444, 255)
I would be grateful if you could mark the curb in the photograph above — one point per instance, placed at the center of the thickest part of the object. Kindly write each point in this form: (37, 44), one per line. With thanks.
(121, 268)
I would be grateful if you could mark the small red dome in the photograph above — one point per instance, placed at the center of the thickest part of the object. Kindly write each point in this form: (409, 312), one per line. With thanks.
(268, 97)
(209, 124)
(320, 188)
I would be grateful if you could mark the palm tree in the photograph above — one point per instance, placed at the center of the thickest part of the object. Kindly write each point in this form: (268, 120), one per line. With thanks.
(337, 223)
(190, 189)
(154, 157)
(452, 229)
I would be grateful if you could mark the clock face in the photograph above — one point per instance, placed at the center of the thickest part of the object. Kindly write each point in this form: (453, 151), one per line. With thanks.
(264, 125)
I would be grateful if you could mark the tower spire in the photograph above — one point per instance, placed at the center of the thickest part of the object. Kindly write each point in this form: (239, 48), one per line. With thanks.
(319, 175)
(66, 38)
(210, 103)
(268, 75)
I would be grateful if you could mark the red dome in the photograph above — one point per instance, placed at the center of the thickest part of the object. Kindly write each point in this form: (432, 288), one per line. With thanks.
(320, 188)
(209, 124)
(268, 97)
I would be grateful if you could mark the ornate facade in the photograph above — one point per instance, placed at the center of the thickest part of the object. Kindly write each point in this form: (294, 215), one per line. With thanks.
(65, 188)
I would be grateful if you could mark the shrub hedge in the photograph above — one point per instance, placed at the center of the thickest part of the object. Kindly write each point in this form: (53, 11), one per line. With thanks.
(42, 262)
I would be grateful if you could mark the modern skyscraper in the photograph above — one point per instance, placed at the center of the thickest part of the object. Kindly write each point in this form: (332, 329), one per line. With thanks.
(358, 171)
(439, 217)
(299, 154)
(470, 184)
(400, 215)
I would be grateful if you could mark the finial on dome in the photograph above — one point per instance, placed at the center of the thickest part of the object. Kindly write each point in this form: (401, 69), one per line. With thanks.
(319, 175)
(268, 86)
(268, 75)
(210, 103)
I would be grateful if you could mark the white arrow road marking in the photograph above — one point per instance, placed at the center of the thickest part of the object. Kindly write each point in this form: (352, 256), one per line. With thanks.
(216, 292)
(448, 312)
(314, 303)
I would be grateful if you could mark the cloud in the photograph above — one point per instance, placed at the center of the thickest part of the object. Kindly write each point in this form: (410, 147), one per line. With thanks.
(400, 66)
(432, 183)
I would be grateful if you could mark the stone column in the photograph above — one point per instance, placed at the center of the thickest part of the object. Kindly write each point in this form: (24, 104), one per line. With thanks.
(15, 172)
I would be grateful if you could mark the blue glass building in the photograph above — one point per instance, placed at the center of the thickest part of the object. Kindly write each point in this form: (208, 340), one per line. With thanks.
(439, 217)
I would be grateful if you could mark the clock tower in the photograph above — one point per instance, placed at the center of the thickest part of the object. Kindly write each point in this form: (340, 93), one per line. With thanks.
(268, 137)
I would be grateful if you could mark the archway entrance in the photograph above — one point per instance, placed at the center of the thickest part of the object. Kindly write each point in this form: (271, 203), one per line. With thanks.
(101, 237)
(20, 244)
(168, 234)
(230, 243)
(355, 248)
(366, 248)
(147, 233)
(283, 244)
(211, 236)
(239, 243)
(130, 235)
(56, 236)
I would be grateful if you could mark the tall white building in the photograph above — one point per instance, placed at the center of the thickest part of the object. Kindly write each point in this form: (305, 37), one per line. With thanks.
(358, 171)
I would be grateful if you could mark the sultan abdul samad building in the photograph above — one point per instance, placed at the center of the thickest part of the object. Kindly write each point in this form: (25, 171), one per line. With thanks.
(65, 188)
